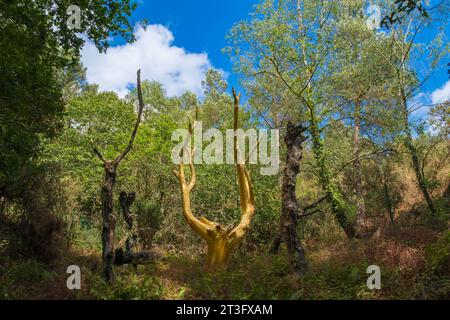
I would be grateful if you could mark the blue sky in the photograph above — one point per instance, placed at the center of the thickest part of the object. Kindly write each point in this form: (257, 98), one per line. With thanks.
(184, 39)
(198, 25)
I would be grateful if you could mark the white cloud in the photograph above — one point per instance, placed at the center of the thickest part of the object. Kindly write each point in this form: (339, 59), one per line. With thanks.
(442, 94)
(156, 56)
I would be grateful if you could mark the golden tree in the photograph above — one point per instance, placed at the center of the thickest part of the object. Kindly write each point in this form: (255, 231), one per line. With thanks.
(220, 241)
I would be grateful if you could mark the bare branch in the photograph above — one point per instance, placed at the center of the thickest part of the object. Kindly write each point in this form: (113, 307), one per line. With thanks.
(315, 204)
(136, 126)
(303, 215)
(198, 225)
(439, 166)
(99, 154)
(432, 146)
(245, 188)
(361, 157)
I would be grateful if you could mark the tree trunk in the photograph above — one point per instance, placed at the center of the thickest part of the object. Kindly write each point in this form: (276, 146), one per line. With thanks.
(277, 241)
(109, 221)
(359, 194)
(290, 206)
(2, 207)
(217, 253)
(387, 197)
(420, 178)
(388, 201)
(334, 196)
(129, 256)
(414, 156)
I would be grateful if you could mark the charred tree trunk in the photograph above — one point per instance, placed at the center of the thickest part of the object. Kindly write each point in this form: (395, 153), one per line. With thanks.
(126, 200)
(109, 221)
(128, 256)
(276, 243)
(123, 257)
(360, 206)
(290, 207)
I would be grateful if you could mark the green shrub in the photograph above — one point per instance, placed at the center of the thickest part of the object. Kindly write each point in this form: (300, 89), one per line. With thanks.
(18, 278)
(435, 282)
(149, 218)
(438, 255)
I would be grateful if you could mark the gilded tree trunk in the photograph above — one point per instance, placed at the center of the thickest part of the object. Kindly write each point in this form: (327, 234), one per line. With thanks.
(217, 253)
(220, 242)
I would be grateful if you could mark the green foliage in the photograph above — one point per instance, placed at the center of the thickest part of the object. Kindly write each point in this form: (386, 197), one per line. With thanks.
(17, 277)
(438, 255)
(249, 278)
(149, 219)
(91, 119)
(435, 282)
(37, 49)
(127, 287)
(86, 234)
(342, 282)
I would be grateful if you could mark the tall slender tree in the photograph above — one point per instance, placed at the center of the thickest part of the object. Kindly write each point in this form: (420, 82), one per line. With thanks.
(406, 52)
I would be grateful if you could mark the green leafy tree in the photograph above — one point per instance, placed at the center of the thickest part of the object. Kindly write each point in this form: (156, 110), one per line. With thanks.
(407, 51)
(38, 46)
(290, 41)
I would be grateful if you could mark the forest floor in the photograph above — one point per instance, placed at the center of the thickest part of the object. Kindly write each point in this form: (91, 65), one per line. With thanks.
(414, 262)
